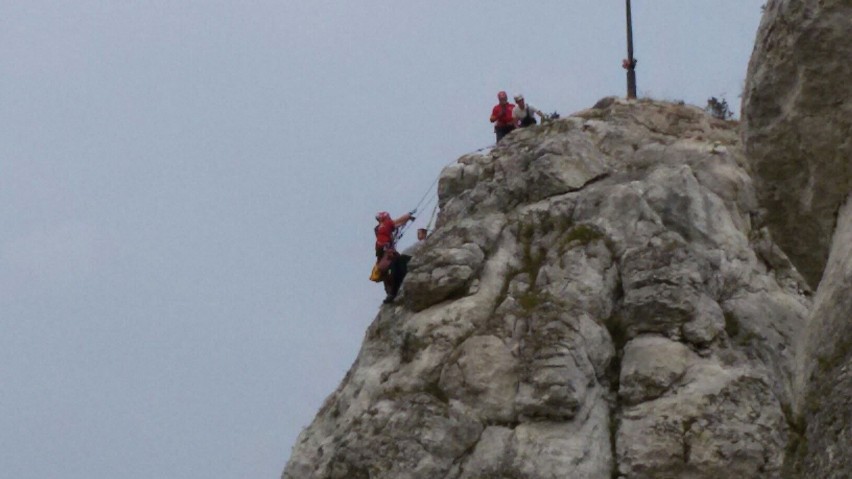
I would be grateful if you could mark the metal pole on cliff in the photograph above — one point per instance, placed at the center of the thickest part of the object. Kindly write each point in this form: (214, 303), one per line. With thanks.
(629, 63)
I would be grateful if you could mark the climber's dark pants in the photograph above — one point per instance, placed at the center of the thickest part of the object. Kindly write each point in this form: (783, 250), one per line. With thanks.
(395, 274)
(502, 131)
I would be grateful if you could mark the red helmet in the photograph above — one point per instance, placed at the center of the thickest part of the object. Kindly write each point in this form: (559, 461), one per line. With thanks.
(382, 216)
(501, 95)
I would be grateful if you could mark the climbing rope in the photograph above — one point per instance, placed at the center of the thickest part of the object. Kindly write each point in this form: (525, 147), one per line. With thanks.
(434, 196)
(438, 177)
(432, 217)
(428, 190)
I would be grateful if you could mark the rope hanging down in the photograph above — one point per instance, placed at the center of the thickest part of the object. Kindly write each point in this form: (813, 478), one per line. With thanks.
(428, 190)
(432, 217)
(434, 197)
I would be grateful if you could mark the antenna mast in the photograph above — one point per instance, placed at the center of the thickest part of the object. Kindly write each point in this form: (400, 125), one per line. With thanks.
(630, 63)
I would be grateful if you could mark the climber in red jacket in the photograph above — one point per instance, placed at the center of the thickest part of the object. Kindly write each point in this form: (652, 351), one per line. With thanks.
(387, 258)
(501, 116)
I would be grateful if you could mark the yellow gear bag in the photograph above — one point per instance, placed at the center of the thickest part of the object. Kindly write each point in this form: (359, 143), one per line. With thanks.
(376, 275)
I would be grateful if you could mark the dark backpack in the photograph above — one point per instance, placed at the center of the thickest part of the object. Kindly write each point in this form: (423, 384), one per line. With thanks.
(529, 119)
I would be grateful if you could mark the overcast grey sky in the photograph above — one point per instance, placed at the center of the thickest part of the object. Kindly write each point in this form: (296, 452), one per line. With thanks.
(187, 191)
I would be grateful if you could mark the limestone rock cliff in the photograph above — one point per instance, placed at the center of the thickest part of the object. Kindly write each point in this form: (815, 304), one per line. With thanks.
(797, 116)
(824, 449)
(798, 125)
(597, 301)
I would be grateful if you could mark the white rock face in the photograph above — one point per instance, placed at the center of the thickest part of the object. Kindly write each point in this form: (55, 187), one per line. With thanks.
(797, 115)
(594, 303)
(798, 124)
(651, 364)
(825, 448)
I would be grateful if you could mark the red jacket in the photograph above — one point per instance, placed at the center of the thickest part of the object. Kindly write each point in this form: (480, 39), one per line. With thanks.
(503, 113)
(384, 233)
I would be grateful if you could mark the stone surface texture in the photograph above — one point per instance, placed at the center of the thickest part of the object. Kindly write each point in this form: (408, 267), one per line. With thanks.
(824, 448)
(797, 116)
(597, 301)
(797, 113)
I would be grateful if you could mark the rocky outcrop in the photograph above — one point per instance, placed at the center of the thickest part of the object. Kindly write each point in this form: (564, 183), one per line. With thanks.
(798, 124)
(596, 302)
(797, 115)
(825, 446)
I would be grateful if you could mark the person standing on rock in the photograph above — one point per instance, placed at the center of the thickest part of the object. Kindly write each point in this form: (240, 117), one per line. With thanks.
(522, 114)
(387, 258)
(501, 116)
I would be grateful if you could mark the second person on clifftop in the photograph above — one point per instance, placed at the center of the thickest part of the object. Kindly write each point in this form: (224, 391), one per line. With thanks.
(522, 114)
